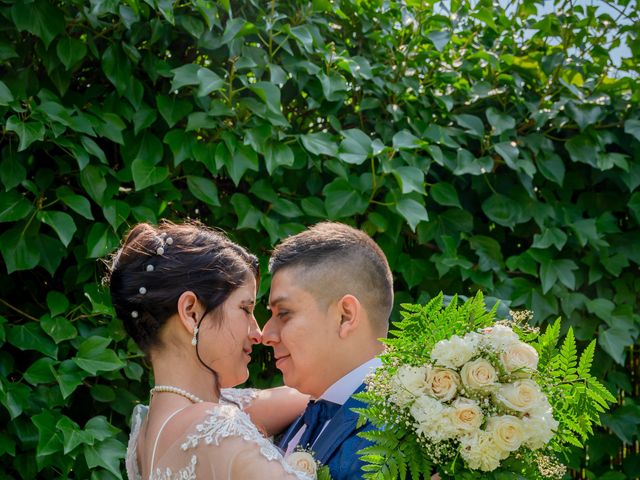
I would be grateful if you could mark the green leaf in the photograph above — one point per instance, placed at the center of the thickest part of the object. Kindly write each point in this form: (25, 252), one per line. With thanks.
(633, 205)
(172, 108)
(334, 86)
(107, 454)
(243, 159)
(13, 206)
(632, 127)
(203, 189)
(473, 124)
(100, 241)
(19, 252)
(72, 435)
(413, 211)
(69, 377)
(94, 182)
(94, 356)
(16, 398)
(405, 139)
(320, 143)
(93, 148)
(185, 75)
(145, 173)
(445, 194)
(77, 203)
(551, 236)
(439, 39)
(509, 153)
(614, 341)
(116, 212)
(117, 67)
(58, 328)
(410, 179)
(248, 215)
(501, 210)
(61, 222)
(500, 121)
(49, 438)
(341, 200)
(12, 172)
(70, 51)
(40, 371)
(31, 337)
(583, 149)
(6, 97)
(356, 146)
(57, 303)
(552, 167)
(40, 18)
(269, 94)
(278, 155)
(28, 132)
(602, 308)
(208, 82)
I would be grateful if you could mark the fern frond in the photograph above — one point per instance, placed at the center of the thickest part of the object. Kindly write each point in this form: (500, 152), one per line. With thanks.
(546, 345)
(586, 360)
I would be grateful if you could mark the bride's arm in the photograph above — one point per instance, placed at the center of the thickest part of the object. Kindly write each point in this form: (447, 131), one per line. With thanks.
(274, 409)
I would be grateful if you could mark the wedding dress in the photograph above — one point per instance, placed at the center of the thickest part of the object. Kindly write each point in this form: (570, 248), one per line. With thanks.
(222, 444)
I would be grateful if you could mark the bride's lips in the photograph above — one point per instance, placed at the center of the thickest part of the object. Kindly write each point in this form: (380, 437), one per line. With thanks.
(247, 352)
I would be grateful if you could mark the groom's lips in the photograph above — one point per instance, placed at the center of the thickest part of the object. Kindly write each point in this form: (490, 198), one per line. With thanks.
(280, 359)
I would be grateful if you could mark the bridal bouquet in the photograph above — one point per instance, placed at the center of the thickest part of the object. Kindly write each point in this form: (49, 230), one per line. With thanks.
(471, 397)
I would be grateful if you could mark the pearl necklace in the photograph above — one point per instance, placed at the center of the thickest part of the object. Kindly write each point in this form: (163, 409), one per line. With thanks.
(178, 391)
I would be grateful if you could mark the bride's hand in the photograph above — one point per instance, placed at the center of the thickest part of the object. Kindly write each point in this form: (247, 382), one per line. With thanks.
(275, 408)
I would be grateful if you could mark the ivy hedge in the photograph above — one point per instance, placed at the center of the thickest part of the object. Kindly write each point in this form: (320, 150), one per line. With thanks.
(482, 147)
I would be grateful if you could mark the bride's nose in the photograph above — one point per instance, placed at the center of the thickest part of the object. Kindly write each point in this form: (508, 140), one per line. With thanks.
(255, 335)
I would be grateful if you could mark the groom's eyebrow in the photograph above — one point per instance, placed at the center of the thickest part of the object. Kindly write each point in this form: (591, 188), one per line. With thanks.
(274, 303)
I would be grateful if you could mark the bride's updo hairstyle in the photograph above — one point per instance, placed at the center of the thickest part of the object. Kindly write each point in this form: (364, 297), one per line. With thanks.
(156, 264)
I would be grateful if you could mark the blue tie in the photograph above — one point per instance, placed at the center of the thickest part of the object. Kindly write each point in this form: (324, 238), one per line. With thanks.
(314, 417)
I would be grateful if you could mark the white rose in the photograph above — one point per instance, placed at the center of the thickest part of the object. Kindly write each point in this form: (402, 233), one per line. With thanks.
(539, 429)
(433, 419)
(480, 452)
(519, 356)
(507, 432)
(478, 374)
(409, 382)
(521, 396)
(499, 337)
(455, 352)
(443, 383)
(466, 415)
(303, 462)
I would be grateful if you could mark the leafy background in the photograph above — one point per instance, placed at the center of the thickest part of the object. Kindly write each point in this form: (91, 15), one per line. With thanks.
(483, 148)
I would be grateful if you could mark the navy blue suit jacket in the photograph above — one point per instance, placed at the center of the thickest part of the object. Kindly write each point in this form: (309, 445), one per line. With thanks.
(338, 444)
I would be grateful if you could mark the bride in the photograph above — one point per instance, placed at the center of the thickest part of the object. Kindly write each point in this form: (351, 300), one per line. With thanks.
(186, 295)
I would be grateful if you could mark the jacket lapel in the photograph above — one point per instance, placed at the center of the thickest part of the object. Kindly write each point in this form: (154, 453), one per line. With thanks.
(291, 431)
(341, 426)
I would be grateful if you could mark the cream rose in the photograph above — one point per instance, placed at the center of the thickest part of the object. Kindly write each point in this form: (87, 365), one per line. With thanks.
(519, 356)
(507, 432)
(455, 352)
(303, 462)
(521, 396)
(408, 383)
(443, 383)
(478, 374)
(466, 415)
(539, 429)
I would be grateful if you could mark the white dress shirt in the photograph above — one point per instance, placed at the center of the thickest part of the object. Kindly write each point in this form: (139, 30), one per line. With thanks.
(339, 393)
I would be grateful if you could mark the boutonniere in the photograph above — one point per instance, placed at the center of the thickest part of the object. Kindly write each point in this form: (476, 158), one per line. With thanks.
(304, 461)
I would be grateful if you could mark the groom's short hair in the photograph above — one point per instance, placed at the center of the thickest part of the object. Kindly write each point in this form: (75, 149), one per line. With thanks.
(332, 260)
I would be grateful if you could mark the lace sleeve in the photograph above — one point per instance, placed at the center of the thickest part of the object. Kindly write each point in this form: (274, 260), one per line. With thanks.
(131, 462)
(240, 448)
(239, 396)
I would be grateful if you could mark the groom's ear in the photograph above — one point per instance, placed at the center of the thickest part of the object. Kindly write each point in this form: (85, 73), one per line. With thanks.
(350, 311)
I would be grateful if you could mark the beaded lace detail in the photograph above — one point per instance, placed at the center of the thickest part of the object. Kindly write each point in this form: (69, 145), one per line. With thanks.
(222, 421)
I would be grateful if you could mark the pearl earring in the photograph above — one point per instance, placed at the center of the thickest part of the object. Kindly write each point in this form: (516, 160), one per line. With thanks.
(194, 340)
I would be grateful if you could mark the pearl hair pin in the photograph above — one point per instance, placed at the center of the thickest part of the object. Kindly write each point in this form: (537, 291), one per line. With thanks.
(150, 268)
(142, 290)
(178, 391)
(134, 314)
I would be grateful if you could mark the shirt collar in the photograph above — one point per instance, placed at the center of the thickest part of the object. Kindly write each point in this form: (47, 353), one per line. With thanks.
(340, 391)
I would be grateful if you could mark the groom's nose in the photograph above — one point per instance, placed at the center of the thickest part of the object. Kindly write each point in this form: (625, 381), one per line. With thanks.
(270, 333)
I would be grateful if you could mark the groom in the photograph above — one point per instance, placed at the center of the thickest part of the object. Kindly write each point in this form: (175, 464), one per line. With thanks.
(331, 297)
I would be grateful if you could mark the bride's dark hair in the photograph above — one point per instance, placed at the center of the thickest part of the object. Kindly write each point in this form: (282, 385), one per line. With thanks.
(156, 264)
